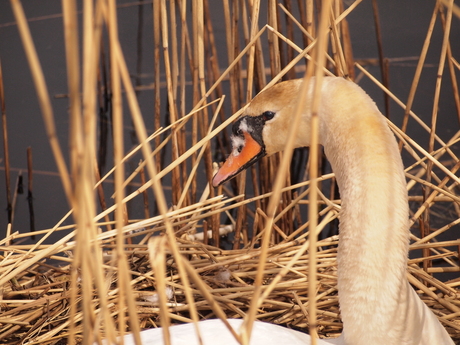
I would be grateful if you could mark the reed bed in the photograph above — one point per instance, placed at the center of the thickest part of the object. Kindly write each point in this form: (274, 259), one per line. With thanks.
(112, 273)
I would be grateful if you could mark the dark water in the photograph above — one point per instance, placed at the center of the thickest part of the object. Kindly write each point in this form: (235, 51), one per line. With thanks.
(404, 26)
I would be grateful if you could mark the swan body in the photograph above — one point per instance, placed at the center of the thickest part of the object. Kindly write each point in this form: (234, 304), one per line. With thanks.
(214, 332)
(378, 306)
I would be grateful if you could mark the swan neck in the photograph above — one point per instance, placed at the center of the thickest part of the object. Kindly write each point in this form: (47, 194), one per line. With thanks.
(374, 228)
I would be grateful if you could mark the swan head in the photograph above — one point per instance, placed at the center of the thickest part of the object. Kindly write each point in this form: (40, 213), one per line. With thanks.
(262, 130)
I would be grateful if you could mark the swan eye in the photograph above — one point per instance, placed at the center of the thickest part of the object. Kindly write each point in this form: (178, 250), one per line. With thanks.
(268, 115)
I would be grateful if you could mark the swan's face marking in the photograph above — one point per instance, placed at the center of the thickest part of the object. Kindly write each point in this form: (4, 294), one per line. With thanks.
(247, 146)
(237, 144)
(243, 126)
(263, 130)
(237, 137)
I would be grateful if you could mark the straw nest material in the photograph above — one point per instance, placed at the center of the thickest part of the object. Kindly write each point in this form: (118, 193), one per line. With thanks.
(35, 303)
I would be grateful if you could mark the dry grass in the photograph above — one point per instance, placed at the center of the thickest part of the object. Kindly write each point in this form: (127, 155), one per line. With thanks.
(103, 283)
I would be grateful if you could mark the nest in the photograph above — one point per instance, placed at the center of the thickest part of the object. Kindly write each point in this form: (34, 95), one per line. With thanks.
(36, 303)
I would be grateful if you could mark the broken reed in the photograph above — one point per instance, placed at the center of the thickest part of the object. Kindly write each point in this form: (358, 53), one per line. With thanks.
(107, 288)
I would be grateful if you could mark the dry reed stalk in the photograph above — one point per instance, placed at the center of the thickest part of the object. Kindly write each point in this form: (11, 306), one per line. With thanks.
(451, 65)
(101, 197)
(273, 44)
(214, 71)
(418, 70)
(255, 9)
(455, 62)
(337, 52)
(383, 69)
(144, 194)
(73, 78)
(72, 64)
(310, 18)
(157, 258)
(288, 56)
(314, 149)
(156, 68)
(347, 48)
(30, 192)
(6, 155)
(185, 43)
(87, 256)
(170, 74)
(125, 296)
(442, 59)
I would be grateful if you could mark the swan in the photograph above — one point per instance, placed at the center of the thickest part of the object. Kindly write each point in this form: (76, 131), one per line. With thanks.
(378, 306)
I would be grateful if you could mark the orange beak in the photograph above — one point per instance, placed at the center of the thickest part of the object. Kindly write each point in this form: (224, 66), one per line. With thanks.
(238, 161)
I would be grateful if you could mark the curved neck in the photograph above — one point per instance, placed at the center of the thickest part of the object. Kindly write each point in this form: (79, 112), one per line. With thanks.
(378, 306)
(374, 227)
